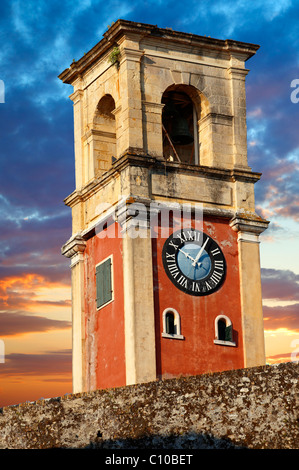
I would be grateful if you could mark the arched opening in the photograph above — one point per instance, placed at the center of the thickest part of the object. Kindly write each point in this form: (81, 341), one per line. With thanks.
(171, 324)
(179, 125)
(223, 331)
(221, 326)
(104, 134)
(105, 107)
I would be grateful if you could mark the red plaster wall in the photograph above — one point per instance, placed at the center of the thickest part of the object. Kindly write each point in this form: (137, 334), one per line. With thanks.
(197, 353)
(105, 342)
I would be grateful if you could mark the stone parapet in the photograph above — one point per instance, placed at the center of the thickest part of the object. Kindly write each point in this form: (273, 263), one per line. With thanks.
(254, 408)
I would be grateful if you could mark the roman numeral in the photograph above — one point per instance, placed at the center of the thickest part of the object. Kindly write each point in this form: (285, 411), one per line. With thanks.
(216, 277)
(182, 237)
(215, 252)
(219, 265)
(171, 256)
(182, 281)
(187, 235)
(190, 235)
(195, 287)
(173, 244)
(173, 269)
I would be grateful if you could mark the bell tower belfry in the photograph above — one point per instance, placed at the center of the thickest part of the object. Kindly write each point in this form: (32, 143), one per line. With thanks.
(160, 130)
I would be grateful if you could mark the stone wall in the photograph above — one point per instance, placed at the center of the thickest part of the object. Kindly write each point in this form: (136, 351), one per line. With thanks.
(254, 408)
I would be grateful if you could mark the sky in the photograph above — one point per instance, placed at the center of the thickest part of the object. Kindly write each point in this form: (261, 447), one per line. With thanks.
(40, 39)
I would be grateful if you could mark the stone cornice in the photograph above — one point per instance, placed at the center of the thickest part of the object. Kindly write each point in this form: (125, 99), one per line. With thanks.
(125, 27)
(128, 159)
(244, 222)
(236, 72)
(135, 159)
(91, 132)
(73, 246)
(248, 222)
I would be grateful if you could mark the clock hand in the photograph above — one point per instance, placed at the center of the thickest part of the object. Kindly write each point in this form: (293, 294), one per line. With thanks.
(186, 254)
(200, 253)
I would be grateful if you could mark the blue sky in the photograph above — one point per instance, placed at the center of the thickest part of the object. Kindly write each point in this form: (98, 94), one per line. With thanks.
(39, 40)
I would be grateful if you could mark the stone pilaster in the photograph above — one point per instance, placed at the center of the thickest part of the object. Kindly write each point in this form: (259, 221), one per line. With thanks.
(249, 228)
(131, 130)
(237, 78)
(74, 250)
(139, 316)
(77, 98)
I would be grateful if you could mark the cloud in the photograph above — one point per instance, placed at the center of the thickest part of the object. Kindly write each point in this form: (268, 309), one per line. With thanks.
(20, 323)
(24, 291)
(280, 284)
(230, 18)
(279, 358)
(281, 317)
(43, 365)
(277, 192)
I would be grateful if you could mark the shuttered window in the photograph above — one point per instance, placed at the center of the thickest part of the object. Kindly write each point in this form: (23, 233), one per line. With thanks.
(229, 333)
(103, 283)
(225, 333)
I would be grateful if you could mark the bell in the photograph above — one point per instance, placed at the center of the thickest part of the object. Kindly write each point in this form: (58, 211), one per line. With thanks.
(180, 131)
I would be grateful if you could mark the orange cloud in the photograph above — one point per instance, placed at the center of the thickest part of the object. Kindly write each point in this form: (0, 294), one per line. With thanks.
(29, 377)
(30, 291)
(279, 358)
(26, 301)
(282, 317)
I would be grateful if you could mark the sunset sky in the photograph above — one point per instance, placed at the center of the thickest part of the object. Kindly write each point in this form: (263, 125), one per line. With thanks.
(39, 39)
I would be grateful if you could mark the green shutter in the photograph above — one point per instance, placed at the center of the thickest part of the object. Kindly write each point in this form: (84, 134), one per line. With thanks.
(229, 333)
(103, 283)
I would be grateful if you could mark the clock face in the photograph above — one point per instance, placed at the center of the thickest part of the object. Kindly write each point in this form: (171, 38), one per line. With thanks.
(194, 262)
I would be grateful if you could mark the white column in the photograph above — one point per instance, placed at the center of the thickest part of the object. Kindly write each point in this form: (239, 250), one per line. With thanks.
(74, 249)
(140, 347)
(250, 288)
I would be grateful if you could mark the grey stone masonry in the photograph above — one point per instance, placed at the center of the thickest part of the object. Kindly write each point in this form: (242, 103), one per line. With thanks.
(255, 408)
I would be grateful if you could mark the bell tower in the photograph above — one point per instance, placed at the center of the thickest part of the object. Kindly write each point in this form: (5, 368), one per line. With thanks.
(164, 249)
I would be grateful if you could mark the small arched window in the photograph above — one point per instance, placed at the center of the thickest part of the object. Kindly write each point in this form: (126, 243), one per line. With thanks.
(224, 331)
(221, 326)
(171, 324)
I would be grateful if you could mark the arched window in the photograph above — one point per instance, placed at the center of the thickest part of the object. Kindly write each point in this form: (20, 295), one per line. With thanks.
(171, 324)
(224, 331)
(179, 126)
(221, 326)
(104, 135)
